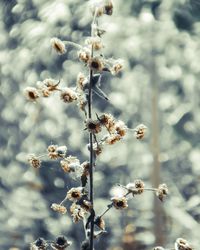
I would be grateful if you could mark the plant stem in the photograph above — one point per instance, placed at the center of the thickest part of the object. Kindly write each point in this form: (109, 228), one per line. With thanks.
(91, 192)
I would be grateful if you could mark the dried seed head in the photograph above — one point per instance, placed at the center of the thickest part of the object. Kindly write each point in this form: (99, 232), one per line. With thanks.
(58, 45)
(51, 84)
(120, 128)
(162, 191)
(58, 208)
(108, 7)
(97, 148)
(108, 121)
(112, 139)
(86, 205)
(68, 163)
(117, 67)
(96, 42)
(139, 185)
(52, 148)
(136, 188)
(61, 243)
(100, 223)
(77, 212)
(96, 64)
(97, 7)
(74, 194)
(86, 167)
(140, 131)
(93, 126)
(84, 55)
(68, 95)
(82, 102)
(119, 202)
(45, 92)
(56, 151)
(39, 244)
(81, 81)
(34, 161)
(182, 244)
(85, 245)
(31, 93)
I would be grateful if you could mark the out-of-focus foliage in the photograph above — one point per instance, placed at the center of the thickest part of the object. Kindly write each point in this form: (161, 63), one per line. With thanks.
(159, 41)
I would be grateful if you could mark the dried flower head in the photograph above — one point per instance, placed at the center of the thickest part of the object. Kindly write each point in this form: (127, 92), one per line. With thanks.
(81, 81)
(58, 208)
(84, 55)
(100, 223)
(97, 7)
(61, 243)
(96, 64)
(97, 148)
(86, 167)
(96, 42)
(58, 45)
(45, 92)
(68, 95)
(34, 161)
(39, 244)
(120, 128)
(108, 121)
(56, 151)
(140, 131)
(82, 102)
(74, 194)
(117, 67)
(136, 188)
(32, 94)
(112, 139)
(108, 7)
(93, 126)
(182, 244)
(77, 212)
(68, 163)
(119, 202)
(51, 84)
(86, 205)
(162, 191)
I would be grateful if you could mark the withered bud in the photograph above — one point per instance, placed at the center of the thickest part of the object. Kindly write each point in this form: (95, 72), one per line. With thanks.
(162, 191)
(58, 45)
(39, 244)
(58, 208)
(140, 131)
(182, 244)
(100, 223)
(34, 161)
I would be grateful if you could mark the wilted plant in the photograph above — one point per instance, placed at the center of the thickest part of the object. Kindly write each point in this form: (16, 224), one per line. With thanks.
(82, 197)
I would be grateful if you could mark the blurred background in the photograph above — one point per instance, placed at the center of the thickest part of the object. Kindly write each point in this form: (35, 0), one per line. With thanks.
(159, 42)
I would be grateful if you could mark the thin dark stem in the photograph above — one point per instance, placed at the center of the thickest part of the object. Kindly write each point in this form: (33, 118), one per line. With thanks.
(91, 192)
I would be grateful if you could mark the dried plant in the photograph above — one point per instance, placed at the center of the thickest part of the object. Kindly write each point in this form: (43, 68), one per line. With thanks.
(103, 130)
